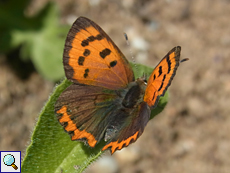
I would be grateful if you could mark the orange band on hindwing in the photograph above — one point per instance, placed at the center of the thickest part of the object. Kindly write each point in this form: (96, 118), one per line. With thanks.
(78, 134)
(116, 145)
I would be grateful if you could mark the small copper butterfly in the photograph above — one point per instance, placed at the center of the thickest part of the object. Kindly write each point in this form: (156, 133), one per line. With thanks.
(105, 102)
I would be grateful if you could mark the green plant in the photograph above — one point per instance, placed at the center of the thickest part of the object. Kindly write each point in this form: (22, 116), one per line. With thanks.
(40, 38)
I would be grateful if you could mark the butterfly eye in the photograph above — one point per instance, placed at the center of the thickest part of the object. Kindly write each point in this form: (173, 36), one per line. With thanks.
(142, 80)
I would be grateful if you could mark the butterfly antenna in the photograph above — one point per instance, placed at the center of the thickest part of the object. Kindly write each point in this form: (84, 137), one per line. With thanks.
(130, 51)
(183, 60)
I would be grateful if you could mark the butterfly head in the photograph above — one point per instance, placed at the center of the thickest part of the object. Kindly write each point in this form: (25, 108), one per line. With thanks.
(143, 79)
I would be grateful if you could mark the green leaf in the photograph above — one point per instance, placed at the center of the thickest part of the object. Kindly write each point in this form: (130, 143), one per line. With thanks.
(11, 18)
(48, 45)
(51, 149)
(40, 37)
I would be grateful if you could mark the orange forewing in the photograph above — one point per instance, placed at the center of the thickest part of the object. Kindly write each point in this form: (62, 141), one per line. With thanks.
(162, 76)
(91, 57)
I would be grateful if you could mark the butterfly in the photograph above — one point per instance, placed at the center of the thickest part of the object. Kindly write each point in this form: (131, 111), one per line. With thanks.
(104, 101)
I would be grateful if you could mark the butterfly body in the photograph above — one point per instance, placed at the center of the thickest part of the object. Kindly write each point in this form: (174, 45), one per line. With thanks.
(105, 102)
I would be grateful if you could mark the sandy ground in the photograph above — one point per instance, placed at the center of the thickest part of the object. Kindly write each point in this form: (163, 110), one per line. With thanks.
(192, 133)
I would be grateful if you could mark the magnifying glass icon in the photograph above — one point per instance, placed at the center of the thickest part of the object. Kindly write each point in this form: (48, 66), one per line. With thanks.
(9, 160)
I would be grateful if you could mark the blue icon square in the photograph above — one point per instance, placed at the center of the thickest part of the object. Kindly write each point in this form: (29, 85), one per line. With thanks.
(10, 161)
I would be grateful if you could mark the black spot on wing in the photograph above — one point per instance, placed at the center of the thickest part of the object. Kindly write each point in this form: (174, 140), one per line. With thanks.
(105, 53)
(113, 63)
(86, 52)
(160, 71)
(91, 39)
(154, 95)
(86, 73)
(162, 83)
(154, 77)
(84, 43)
(164, 78)
(169, 64)
(99, 37)
(81, 60)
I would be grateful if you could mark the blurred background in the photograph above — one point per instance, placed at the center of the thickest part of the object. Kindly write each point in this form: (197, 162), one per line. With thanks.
(190, 135)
